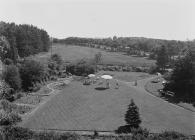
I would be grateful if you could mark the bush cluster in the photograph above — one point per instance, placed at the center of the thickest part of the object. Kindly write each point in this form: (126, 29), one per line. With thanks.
(29, 75)
(19, 133)
(81, 69)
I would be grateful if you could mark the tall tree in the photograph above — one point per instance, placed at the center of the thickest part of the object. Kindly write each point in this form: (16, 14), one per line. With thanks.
(31, 72)
(182, 80)
(11, 76)
(132, 116)
(162, 58)
(97, 59)
(4, 48)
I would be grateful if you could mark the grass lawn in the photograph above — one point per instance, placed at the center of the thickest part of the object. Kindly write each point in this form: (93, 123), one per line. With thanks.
(79, 107)
(154, 88)
(74, 53)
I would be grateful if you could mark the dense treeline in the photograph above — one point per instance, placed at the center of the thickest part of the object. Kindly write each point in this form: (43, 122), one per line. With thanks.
(131, 45)
(21, 40)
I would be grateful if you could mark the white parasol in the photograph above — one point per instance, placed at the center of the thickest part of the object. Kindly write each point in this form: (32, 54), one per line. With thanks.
(107, 77)
(91, 75)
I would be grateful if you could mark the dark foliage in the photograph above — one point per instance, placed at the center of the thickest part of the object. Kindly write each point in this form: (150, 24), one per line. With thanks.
(153, 69)
(182, 79)
(8, 61)
(5, 91)
(56, 58)
(132, 117)
(7, 116)
(19, 133)
(123, 129)
(56, 66)
(4, 48)
(11, 76)
(171, 135)
(24, 40)
(162, 58)
(80, 69)
(31, 72)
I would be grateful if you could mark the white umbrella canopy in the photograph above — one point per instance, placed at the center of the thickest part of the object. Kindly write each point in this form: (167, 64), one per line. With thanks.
(91, 75)
(107, 77)
(159, 74)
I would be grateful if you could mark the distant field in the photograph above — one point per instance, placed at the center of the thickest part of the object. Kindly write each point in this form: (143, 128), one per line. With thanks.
(73, 53)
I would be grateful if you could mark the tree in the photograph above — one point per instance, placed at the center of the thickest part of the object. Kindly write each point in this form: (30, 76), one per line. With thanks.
(97, 59)
(11, 76)
(55, 64)
(31, 72)
(56, 58)
(24, 40)
(132, 116)
(182, 80)
(4, 48)
(162, 58)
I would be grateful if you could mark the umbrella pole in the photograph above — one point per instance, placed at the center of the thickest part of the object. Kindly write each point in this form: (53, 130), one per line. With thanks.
(107, 84)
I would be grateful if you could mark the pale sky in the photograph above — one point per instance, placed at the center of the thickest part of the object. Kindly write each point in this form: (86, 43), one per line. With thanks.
(166, 19)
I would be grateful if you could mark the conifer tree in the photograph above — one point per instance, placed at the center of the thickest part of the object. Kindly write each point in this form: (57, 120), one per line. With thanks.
(162, 58)
(132, 116)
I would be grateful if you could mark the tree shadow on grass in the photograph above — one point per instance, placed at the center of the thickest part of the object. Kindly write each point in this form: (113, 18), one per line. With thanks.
(101, 88)
(171, 99)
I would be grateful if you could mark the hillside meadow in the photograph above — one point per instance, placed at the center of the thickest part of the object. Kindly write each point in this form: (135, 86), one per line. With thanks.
(71, 53)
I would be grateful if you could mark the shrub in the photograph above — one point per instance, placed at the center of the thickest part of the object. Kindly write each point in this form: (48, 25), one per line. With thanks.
(35, 87)
(11, 76)
(8, 61)
(140, 131)
(80, 69)
(56, 58)
(8, 119)
(5, 105)
(171, 135)
(153, 69)
(19, 133)
(55, 136)
(5, 91)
